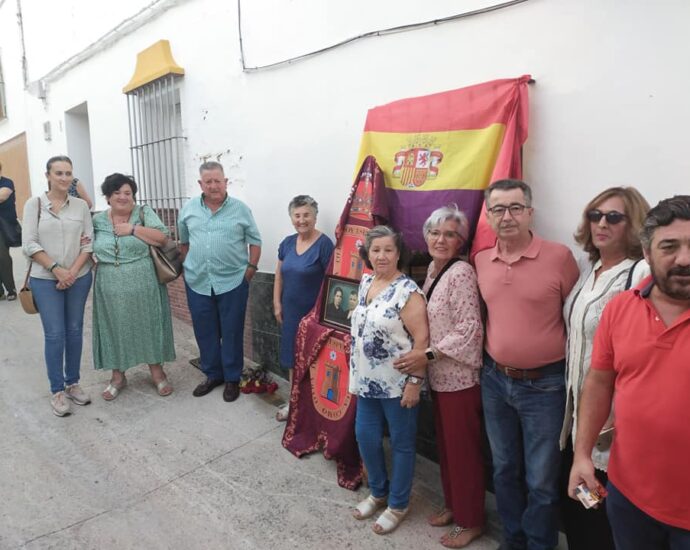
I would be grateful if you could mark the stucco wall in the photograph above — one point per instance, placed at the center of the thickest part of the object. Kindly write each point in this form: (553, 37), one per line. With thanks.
(608, 106)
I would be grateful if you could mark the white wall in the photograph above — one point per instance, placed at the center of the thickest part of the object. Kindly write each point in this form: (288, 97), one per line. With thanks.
(11, 59)
(608, 106)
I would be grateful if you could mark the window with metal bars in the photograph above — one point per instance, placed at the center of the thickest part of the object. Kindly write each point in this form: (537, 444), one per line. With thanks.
(155, 131)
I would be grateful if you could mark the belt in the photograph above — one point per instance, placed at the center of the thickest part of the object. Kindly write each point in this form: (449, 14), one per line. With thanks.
(531, 374)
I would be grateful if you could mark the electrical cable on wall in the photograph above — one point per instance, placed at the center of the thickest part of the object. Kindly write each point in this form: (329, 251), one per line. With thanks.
(381, 32)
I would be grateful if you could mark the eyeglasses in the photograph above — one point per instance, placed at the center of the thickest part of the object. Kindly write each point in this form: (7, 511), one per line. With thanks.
(612, 218)
(515, 210)
(448, 235)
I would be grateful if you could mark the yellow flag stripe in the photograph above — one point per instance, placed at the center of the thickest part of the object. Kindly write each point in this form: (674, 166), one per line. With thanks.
(433, 161)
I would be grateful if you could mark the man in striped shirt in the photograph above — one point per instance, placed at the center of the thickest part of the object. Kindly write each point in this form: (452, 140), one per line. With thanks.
(221, 245)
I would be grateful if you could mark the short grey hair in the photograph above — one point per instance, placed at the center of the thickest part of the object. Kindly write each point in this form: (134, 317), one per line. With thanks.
(303, 200)
(211, 165)
(384, 231)
(663, 214)
(507, 185)
(447, 213)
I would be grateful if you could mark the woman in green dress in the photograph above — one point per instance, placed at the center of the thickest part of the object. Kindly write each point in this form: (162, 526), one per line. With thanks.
(131, 312)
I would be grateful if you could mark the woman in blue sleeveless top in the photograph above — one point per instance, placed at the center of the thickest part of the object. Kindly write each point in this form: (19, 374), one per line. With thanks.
(302, 262)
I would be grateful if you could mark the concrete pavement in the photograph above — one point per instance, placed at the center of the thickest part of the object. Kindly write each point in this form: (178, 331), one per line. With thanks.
(168, 473)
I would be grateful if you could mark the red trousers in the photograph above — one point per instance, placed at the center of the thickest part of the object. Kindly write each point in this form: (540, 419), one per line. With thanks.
(457, 417)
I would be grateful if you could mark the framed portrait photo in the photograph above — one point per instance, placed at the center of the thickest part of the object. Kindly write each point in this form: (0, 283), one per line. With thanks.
(339, 302)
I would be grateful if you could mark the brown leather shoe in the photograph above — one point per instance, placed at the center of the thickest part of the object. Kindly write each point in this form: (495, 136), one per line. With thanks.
(231, 391)
(206, 387)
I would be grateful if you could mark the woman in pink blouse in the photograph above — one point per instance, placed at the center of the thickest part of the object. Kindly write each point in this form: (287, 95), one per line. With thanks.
(454, 360)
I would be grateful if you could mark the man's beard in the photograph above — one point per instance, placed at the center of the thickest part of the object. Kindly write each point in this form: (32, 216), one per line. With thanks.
(672, 288)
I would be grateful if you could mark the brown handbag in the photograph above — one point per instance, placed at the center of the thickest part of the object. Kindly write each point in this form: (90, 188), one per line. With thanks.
(26, 296)
(166, 258)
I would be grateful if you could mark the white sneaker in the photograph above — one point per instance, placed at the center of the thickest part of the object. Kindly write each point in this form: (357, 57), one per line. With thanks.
(60, 404)
(76, 394)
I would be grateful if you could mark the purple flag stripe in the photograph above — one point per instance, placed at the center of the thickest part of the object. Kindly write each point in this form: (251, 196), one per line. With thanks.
(408, 210)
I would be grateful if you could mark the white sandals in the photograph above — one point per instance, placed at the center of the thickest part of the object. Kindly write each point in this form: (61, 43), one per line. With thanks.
(368, 507)
(112, 391)
(389, 520)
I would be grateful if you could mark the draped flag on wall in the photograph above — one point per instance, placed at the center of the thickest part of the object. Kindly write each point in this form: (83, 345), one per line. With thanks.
(447, 147)
(322, 412)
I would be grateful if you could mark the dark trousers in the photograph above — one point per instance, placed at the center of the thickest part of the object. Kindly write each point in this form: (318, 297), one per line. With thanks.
(635, 530)
(6, 275)
(523, 422)
(585, 529)
(218, 322)
(458, 422)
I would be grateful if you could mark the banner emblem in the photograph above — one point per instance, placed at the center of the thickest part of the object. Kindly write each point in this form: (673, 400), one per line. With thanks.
(415, 165)
(329, 381)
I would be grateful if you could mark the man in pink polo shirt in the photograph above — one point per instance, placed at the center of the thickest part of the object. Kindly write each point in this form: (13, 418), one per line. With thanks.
(524, 281)
(641, 359)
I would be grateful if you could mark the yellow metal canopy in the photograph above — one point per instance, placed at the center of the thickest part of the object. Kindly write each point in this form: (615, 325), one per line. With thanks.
(153, 63)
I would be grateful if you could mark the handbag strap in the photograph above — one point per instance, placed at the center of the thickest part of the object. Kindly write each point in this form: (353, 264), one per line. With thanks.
(31, 262)
(438, 277)
(628, 283)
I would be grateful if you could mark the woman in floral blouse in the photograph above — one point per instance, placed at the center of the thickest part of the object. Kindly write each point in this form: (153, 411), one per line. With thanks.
(389, 321)
(453, 363)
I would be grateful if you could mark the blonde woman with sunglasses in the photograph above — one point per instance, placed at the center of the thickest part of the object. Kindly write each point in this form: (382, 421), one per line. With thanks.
(609, 233)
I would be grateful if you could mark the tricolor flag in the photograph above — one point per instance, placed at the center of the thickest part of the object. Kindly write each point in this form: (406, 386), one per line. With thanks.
(447, 148)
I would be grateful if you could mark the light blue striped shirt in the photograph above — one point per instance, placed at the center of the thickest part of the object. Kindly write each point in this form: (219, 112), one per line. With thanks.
(218, 241)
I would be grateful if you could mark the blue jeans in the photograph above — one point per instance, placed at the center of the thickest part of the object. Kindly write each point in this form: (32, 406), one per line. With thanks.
(218, 322)
(635, 530)
(523, 421)
(372, 415)
(62, 316)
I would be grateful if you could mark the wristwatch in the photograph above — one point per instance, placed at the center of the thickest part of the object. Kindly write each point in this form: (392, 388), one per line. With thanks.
(52, 267)
(416, 380)
(430, 354)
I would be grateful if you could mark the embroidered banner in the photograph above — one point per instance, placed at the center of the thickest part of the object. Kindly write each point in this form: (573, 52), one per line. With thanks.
(322, 412)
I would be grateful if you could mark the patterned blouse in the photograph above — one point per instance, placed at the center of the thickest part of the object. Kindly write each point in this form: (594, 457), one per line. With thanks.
(378, 338)
(582, 311)
(455, 328)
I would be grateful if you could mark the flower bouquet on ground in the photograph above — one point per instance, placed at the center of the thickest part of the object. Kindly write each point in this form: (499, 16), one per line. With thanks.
(257, 380)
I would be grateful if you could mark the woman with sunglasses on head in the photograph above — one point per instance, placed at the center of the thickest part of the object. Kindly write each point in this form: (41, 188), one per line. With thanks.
(608, 232)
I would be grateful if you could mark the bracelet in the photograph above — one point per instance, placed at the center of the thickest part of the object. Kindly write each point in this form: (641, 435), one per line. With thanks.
(254, 267)
(133, 226)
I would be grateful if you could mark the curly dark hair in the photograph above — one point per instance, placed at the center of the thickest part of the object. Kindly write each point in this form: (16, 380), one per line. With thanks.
(663, 214)
(114, 181)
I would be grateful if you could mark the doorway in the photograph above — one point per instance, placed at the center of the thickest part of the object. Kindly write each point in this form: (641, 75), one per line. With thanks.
(78, 134)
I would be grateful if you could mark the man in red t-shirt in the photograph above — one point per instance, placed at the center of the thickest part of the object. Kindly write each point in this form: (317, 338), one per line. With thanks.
(641, 359)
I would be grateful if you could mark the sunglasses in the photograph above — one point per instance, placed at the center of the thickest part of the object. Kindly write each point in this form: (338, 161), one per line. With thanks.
(612, 218)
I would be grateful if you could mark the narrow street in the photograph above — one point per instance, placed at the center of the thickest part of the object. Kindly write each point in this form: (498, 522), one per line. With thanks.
(181, 472)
